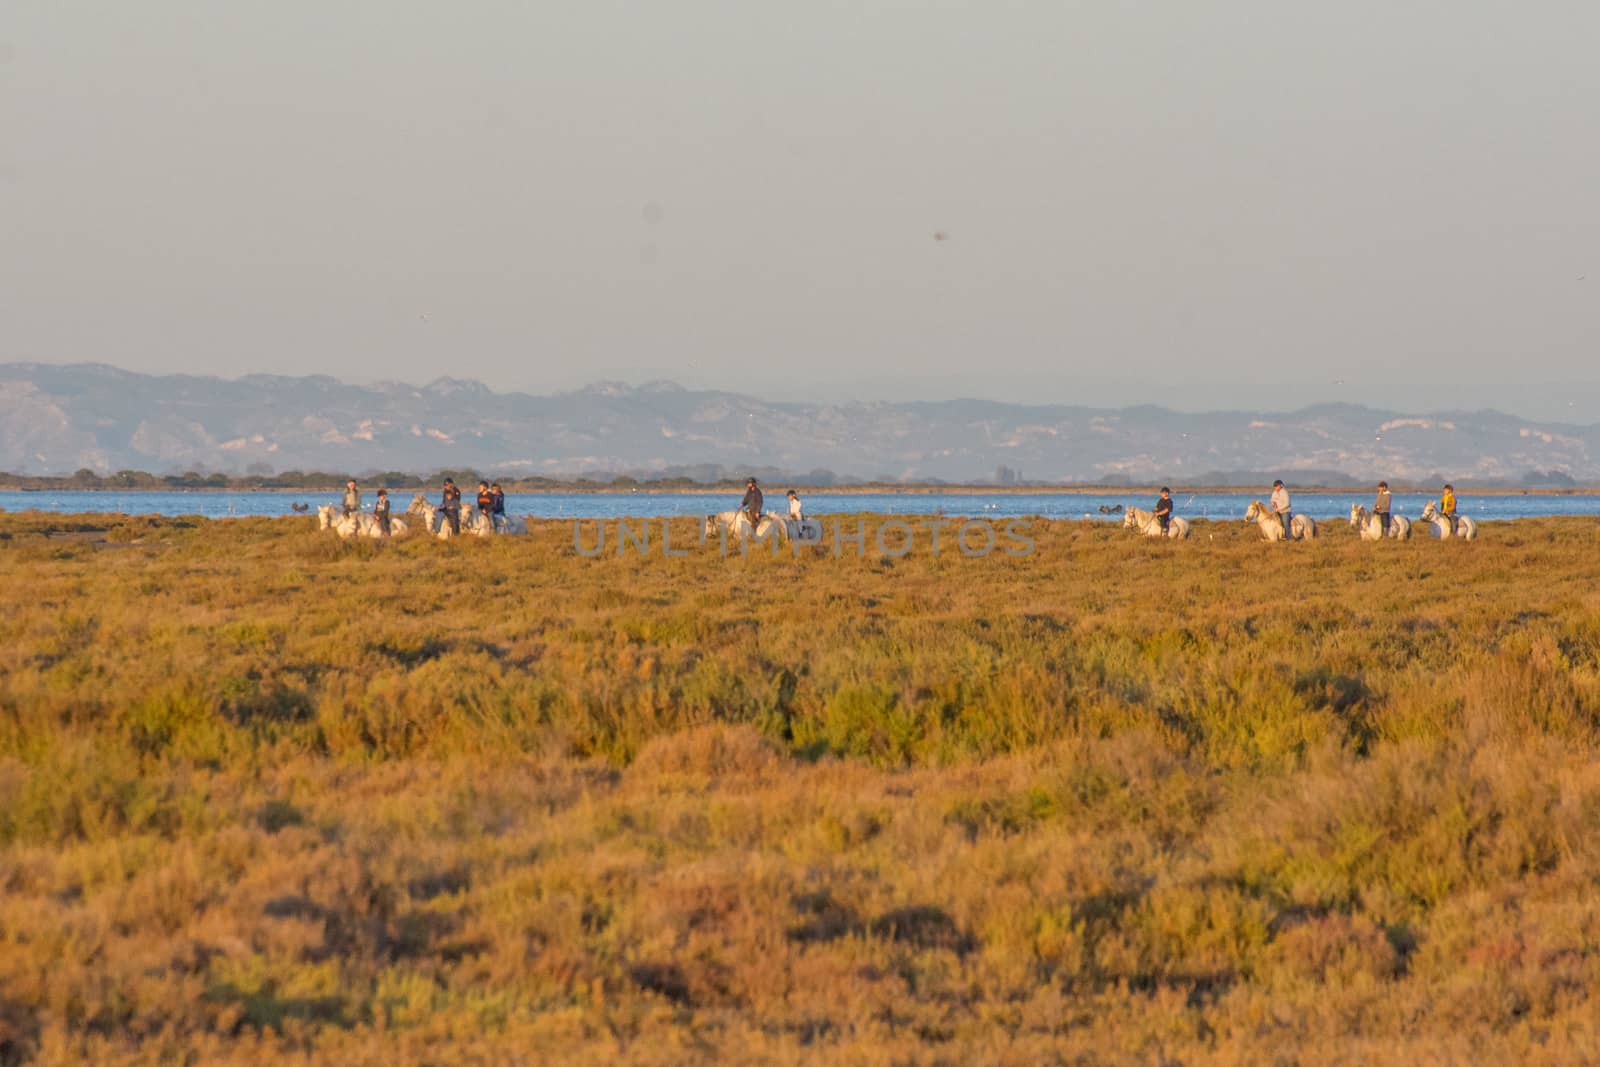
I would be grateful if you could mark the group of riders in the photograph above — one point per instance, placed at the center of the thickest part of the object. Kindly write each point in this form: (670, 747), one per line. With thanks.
(754, 501)
(491, 502)
(1279, 506)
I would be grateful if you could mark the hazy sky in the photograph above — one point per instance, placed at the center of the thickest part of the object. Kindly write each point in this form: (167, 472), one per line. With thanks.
(1198, 204)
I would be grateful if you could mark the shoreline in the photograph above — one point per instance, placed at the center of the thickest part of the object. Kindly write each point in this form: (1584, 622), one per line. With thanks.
(828, 490)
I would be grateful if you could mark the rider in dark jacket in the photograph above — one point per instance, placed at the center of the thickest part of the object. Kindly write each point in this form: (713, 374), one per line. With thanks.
(1163, 510)
(450, 504)
(752, 502)
(380, 510)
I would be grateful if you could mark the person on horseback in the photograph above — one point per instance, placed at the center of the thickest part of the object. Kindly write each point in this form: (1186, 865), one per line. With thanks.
(497, 513)
(1380, 506)
(352, 498)
(380, 511)
(751, 504)
(1280, 505)
(1163, 511)
(794, 506)
(450, 504)
(1447, 506)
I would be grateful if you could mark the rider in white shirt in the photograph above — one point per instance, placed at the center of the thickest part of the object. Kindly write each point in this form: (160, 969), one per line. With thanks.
(1280, 505)
(794, 506)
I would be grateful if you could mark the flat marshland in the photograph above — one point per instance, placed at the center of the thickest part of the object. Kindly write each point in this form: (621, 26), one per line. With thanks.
(267, 796)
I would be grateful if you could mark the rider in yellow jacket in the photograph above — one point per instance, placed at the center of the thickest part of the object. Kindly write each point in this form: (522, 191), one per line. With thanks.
(1447, 506)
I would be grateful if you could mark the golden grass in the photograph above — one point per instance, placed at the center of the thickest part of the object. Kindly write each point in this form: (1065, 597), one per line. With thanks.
(265, 795)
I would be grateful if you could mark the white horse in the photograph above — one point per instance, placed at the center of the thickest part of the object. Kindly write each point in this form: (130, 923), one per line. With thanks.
(432, 516)
(479, 524)
(371, 527)
(1145, 522)
(738, 524)
(346, 526)
(433, 519)
(1301, 527)
(1466, 529)
(1371, 527)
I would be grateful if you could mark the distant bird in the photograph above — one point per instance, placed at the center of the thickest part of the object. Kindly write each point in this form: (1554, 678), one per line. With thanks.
(1338, 381)
(940, 235)
(297, 506)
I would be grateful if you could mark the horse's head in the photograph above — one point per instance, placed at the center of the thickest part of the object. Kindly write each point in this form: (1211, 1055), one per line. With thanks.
(1253, 512)
(1127, 520)
(1356, 515)
(1430, 510)
(711, 525)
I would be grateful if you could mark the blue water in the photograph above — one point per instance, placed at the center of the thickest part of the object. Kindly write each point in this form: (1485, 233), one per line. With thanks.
(1321, 506)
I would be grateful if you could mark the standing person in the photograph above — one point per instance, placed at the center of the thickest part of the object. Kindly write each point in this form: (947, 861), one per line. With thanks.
(1163, 510)
(450, 504)
(1447, 506)
(1380, 506)
(497, 513)
(794, 507)
(752, 502)
(1280, 505)
(380, 511)
(352, 498)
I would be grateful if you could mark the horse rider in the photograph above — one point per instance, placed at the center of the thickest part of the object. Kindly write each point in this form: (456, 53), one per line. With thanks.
(497, 513)
(1280, 505)
(352, 498)
(486, 503)
(380, 511)
(1163, 512)
(752, 502)
(794, 506)
(1380, 506)
(1447, 506)
(450, 504)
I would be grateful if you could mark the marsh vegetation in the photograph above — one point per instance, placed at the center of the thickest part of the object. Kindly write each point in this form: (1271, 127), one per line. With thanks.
(264, 793)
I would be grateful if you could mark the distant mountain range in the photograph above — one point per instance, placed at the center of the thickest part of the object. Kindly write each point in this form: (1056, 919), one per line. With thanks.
(56, 419)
